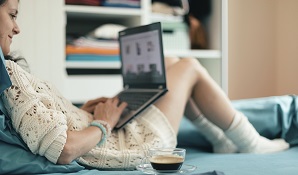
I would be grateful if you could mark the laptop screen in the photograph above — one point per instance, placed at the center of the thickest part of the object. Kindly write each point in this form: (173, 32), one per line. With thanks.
(142, 56)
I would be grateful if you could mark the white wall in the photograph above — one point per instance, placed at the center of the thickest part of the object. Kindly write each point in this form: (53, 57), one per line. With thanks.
(263, 48)
(287, 47)
(39, 48)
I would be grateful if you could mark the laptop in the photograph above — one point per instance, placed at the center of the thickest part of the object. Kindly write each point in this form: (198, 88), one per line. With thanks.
(142, 68)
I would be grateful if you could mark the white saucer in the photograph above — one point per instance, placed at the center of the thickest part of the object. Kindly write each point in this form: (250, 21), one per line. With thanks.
(147, 169)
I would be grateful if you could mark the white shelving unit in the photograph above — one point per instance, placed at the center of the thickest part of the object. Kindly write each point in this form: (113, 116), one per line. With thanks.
(203, 54)
(46, 53)
(93, 65)
(84, 87)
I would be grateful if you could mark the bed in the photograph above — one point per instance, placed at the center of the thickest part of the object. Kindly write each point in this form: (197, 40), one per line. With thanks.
(272, 117)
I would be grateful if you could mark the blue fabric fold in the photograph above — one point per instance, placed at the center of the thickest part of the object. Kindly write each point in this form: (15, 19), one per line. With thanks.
(273, 117)
(5, 81)
(16, 158)
(9, 135)
(211, 173)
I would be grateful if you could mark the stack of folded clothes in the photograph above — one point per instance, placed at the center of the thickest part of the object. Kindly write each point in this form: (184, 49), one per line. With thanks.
(88, 49)
(100, 45)
(84, 2)
(122, 3)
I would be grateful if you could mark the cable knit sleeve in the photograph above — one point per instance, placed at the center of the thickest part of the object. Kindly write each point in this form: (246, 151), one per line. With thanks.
(34, 113)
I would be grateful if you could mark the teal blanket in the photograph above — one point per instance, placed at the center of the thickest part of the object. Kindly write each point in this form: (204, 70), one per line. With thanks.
(272, 117)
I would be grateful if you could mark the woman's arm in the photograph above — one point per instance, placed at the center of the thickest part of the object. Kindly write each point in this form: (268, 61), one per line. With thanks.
(79, 143)
(44, 126)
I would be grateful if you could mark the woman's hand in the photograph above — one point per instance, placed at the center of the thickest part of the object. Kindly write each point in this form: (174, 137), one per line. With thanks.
(89, 106)
(79, 143)
(109, 111)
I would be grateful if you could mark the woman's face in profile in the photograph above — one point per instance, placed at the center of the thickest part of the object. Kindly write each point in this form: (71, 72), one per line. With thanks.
(8, 25)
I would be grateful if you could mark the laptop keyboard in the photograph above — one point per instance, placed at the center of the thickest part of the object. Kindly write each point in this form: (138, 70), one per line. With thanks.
(135, 99)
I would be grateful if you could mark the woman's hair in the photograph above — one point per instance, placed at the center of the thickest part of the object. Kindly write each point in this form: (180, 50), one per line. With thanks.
(2, 2)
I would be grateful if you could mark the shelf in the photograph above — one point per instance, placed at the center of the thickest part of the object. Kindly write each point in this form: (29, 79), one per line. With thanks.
(93, 64)
(99, 11)
(90, 79)
(203, 54)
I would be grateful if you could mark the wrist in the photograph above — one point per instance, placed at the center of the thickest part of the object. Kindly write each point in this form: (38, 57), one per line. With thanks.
(105, 129)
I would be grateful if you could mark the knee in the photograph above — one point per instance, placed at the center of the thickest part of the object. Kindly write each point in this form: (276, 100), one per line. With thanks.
(194, 67)
(169, 61)
(193, 63)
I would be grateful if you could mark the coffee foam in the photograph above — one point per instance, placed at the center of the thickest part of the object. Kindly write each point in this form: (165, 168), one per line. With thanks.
(164, 159)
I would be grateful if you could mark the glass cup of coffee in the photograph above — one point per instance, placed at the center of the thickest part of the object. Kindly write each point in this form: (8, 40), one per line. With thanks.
(165, 159)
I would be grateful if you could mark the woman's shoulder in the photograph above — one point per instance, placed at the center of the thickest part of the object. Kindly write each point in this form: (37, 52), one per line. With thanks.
(16, 68)
(19, 64)
(17, 73)
(11, 64)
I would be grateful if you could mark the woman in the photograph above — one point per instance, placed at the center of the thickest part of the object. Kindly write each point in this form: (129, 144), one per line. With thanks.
(52, 127)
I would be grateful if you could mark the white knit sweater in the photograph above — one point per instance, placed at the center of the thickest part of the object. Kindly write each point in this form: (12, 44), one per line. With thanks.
(41, 115)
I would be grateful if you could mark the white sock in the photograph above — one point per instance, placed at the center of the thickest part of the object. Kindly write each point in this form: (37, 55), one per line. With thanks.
(215, 135)
(248, 140)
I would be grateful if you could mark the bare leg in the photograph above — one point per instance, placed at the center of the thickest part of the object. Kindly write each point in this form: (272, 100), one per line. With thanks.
(186, 78)
(215, 135)
(191, 110)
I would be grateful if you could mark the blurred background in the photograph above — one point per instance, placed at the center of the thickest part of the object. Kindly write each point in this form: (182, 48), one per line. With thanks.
(249, 47)
(263, 47)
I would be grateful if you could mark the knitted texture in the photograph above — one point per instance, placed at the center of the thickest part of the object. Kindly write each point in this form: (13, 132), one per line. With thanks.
(126, 147)
(41, 115)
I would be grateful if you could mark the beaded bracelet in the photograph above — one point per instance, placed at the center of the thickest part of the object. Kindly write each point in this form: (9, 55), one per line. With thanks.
(106, 125)
(105, 129)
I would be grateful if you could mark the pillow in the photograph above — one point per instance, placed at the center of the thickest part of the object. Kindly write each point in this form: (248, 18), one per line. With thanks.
(16, 158)
(273, 117)
(189, 136)
(4, 77)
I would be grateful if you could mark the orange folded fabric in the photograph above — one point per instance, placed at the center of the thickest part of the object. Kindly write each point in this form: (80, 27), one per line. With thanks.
(90, 50)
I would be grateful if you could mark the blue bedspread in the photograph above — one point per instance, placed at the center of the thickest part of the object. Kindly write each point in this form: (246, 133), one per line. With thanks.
(272, 116)
(283, 163)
